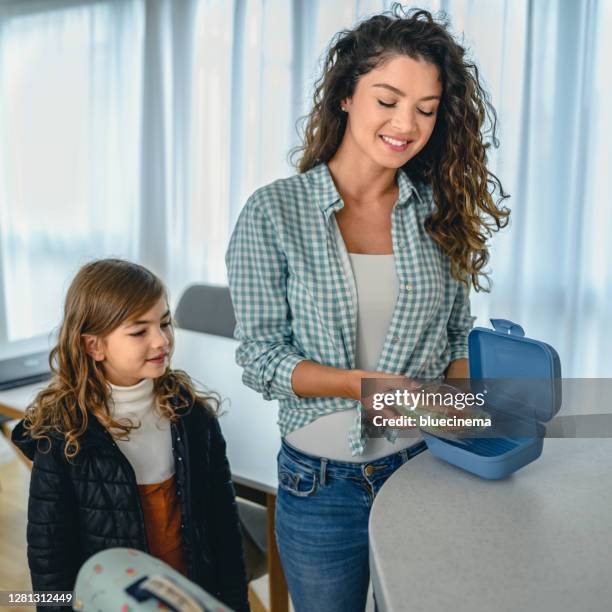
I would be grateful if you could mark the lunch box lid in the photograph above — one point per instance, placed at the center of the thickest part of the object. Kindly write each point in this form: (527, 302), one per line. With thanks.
(502, 355)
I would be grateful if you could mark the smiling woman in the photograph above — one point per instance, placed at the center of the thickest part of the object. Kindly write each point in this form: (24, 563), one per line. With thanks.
(360, 267)
(394, 104)
(437, 79)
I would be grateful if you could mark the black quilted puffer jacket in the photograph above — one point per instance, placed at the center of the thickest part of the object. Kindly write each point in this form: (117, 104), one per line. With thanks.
(81, 507)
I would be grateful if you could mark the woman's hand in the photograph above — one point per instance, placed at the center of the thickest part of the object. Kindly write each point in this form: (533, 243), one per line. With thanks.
(396, 382)
(460, 368)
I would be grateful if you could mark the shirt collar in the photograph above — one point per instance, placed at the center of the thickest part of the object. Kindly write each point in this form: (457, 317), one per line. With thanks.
(329, 199)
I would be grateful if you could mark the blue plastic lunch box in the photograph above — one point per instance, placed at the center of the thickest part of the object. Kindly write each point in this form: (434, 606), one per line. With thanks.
(505, 353)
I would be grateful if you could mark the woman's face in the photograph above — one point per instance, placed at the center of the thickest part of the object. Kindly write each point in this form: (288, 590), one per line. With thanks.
(392, 112)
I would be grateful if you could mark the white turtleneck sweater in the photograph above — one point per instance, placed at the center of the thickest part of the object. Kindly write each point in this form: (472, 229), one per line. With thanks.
(149, 449)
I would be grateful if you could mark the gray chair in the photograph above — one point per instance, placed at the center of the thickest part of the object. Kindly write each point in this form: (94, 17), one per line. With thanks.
(208, 309)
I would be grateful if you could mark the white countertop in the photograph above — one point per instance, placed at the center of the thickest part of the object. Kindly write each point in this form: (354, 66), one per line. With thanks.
(442, 539)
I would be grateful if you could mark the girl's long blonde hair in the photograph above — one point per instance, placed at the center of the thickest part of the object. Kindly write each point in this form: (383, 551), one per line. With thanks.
(103, 295)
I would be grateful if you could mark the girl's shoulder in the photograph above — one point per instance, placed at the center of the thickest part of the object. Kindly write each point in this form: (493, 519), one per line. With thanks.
(54, 443)
(198, 411)
(52, 446)
(193, 407)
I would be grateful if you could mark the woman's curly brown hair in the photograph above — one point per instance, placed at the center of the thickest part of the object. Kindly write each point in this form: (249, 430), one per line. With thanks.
(454, 161)
(103, 295)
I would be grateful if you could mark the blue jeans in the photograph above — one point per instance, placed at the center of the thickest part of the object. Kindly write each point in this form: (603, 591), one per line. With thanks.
(322, 512)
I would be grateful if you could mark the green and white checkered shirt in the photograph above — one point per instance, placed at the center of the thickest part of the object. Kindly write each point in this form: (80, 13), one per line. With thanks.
(295, 298)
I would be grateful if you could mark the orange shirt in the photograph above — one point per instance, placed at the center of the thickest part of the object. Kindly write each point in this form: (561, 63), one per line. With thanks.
(162, 515)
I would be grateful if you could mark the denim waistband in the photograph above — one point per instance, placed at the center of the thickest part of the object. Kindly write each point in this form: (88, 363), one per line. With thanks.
(378, 467)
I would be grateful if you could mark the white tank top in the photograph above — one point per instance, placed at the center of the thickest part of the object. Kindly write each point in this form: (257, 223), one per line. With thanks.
(377, 290)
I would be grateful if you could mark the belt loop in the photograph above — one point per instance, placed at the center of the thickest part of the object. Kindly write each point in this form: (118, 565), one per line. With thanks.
(323, 471)
(404, 455)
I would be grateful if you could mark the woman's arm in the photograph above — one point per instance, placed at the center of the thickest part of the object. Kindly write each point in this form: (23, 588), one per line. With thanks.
(459, 368)
(460, 322)
(257, 274)
(311, 379)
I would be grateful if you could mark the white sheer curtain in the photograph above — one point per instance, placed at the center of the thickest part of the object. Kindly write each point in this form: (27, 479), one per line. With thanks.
(546, 64)
(138, 128)
(69, 138)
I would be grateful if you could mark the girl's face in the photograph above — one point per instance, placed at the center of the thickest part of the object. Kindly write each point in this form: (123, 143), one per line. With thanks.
(392, 112)
(137, 349)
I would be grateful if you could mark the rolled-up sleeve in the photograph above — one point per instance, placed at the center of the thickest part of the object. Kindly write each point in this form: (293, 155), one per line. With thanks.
(257, 274)
(460, 323)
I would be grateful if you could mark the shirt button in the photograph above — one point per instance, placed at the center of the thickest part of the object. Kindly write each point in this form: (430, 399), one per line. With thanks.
(401, 245)
(409, 286)
(180, 458)
(395, 339)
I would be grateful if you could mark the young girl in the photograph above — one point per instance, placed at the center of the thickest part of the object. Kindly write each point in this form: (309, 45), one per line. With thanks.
(125, 451)
(360, 266)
